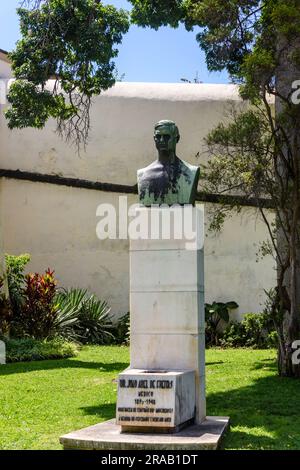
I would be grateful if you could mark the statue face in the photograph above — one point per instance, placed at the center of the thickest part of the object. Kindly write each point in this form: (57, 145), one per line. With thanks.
(165, 138)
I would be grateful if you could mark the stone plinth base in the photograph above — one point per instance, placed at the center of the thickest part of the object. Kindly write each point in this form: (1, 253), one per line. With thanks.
(156, 430)
(108, 436)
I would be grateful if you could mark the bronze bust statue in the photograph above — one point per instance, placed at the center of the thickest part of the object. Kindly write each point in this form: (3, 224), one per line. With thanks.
(168, 180)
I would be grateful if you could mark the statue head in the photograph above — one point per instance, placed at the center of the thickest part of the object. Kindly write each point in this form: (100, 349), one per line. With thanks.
(166, 136)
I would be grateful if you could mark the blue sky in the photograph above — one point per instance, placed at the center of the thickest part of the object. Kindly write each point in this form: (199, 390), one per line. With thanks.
(145, 55)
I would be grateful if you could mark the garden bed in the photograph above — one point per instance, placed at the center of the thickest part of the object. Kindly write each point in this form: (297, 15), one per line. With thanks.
(19, 350)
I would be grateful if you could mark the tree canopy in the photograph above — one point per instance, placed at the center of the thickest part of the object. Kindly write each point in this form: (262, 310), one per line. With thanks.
(238, 35)
(73, 43)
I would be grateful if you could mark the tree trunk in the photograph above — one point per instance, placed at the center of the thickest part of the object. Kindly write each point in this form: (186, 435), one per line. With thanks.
(287, 116)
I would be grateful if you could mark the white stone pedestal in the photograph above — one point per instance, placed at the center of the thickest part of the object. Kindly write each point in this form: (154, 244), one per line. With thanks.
(167, 295)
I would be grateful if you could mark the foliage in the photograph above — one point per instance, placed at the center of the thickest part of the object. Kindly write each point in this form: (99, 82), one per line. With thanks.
(241, 161)
(259, 329)
(5, 310)
(41, 311)
(255, 331)
(93, 323)
(38, 313)
(246, 159)
(159, 13)
(121, 329)
(35, 350)
(33, 311)
(40, 316)
(73, 43)
(240, 37)
(15, 266)
(234, 335)
(214, 313)
(10, 307)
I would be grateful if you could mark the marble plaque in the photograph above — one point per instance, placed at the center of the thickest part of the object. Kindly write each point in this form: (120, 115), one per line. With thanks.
(163, 399)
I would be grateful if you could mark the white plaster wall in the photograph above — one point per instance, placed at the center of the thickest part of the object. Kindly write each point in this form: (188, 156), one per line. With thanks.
(5, 68)
(1, 235)
(121, 138)
(56, 224)
(232, 269)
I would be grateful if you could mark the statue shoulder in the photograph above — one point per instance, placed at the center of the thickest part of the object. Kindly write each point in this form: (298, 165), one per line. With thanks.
(142, 171)
(193, 169)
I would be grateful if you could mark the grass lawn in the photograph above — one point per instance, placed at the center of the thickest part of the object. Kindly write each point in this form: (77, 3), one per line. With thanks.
(41, 400)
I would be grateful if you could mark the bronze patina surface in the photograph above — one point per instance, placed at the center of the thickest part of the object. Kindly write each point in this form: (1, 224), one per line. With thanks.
(169, 180)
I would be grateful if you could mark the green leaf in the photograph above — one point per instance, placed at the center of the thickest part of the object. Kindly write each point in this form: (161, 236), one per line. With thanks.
(231, 305)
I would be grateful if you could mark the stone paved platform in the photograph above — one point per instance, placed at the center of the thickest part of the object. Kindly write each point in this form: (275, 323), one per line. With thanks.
(108, 436)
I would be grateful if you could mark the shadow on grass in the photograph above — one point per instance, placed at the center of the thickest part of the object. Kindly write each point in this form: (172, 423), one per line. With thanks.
(50, 364)
(23, 367)
(267, 364)
(105, 411)
(263, 415)
(214, 363)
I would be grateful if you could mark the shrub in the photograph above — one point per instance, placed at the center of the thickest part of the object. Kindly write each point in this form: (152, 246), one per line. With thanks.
(11, 304)
(92, 323)
(256, 331)
(34, 350)
(272, 340)
(234, 335)
(15, 266)
(214, 313)
(5, 311)
(121, 330)
(38, 312)
(40, 316)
